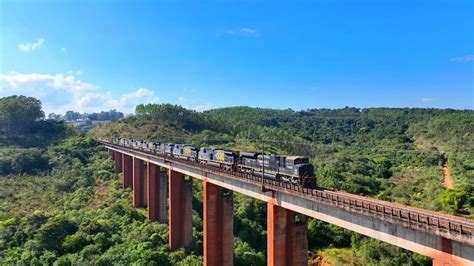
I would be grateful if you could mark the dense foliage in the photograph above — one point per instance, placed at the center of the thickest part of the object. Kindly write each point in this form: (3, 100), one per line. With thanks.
(103, 116)
(74, 116)
(19, 113)
(387, 153)
(21, 124)
(61, 203)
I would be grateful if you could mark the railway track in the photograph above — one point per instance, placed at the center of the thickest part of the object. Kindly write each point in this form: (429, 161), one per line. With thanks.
(443, 224)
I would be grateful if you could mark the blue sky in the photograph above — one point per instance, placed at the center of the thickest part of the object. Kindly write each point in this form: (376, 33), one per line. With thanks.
(96, 55)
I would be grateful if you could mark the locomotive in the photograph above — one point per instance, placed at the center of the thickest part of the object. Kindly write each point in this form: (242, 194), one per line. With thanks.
(294, 170)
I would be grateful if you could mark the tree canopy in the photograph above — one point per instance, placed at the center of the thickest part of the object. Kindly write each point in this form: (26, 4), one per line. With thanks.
(19, 113)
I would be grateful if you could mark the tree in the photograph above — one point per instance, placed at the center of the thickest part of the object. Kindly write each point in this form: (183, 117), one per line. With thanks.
(72, 116)
(52, 234)
(103, 116)
(453, 198)
(53, 116)
(19, 113)
(29, 161)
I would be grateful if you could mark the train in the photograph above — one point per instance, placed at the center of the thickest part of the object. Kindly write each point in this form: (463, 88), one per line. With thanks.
(296, 170)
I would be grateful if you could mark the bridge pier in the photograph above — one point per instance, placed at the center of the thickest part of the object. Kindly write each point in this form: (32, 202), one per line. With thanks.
(156, 194)
(163, 196)
(117, 162)
(127, 169)
(180, 210)
(287, 235)
(447, 239)
(437, 262)
(445, 258)
(138, 183)
(218, 226)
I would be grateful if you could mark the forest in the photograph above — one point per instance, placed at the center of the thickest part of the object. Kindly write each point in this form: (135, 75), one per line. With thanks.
(62, 204)
(75, 116)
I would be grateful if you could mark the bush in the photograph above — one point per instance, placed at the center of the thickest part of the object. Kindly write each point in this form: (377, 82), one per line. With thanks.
(23, 161)
(29, 161)
(74, 242)
(52, 234)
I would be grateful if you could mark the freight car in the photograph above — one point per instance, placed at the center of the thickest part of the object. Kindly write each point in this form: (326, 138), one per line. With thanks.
(219, 158)
(295, 170)
(185, 152)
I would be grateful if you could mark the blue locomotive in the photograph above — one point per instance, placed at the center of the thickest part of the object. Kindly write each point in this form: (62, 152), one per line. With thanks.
(294, 170)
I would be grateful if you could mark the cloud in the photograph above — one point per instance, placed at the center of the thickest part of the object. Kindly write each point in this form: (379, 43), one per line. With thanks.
(63, 50)
(465, 58)
(182, 99)
(244, 32)
(26, 47)
(60, 93)
(429, 99)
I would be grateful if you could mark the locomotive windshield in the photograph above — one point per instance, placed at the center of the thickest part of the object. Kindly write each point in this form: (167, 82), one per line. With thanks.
(301, 160)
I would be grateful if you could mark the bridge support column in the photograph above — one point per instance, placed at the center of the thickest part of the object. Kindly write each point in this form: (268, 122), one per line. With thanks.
(117, 162)
(447, 248)
(287, 235)
(180, 210)
(156, 201)
(163, 197)
(145, 185)
(437, 262)
(138, 183)
(127, 169)
(218, 226)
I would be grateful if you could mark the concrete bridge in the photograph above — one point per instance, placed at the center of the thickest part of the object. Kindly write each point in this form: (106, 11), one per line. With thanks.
(448, 239)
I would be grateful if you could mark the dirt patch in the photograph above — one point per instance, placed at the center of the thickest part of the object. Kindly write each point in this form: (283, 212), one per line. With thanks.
(447, 178)
(101, 192)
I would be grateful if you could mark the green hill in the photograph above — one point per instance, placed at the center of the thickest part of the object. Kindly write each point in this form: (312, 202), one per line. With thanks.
(390, 153)
(62, 204)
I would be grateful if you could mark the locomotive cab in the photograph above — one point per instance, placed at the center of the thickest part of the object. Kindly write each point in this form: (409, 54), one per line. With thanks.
(167, 148)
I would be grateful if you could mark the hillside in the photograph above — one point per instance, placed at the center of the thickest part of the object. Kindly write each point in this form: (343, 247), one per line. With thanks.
(62, 204)
(391, 154)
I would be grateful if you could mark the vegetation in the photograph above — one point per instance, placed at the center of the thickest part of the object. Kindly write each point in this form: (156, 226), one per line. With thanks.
(61, 203)
(21, 124)
(19, 113)
(74, 116)
(386, 153)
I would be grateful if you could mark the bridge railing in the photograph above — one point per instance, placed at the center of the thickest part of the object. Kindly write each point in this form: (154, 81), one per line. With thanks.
(394, 212)
(435, 220)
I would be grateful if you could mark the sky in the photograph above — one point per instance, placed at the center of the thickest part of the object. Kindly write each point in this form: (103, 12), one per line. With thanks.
(90, 56)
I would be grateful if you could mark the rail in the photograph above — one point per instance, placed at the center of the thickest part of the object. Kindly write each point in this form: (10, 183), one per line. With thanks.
(395, 212)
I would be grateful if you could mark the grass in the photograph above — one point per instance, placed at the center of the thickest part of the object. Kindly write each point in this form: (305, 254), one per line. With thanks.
(24, 194)
(335, 257)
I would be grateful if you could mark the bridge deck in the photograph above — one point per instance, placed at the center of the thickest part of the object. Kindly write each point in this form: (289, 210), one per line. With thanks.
(449, 226)
(416, 229)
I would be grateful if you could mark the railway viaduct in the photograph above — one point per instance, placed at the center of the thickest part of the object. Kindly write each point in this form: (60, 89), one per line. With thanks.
(448, 240)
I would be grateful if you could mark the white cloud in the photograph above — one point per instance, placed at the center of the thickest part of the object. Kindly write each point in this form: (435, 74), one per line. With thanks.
(26, 47)
(244, 32)
(465, 58)
(60, 93)
(63, 50)
(182, 99)
(429, 99)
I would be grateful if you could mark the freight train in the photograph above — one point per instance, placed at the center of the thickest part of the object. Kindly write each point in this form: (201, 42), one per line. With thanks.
(294, 170)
